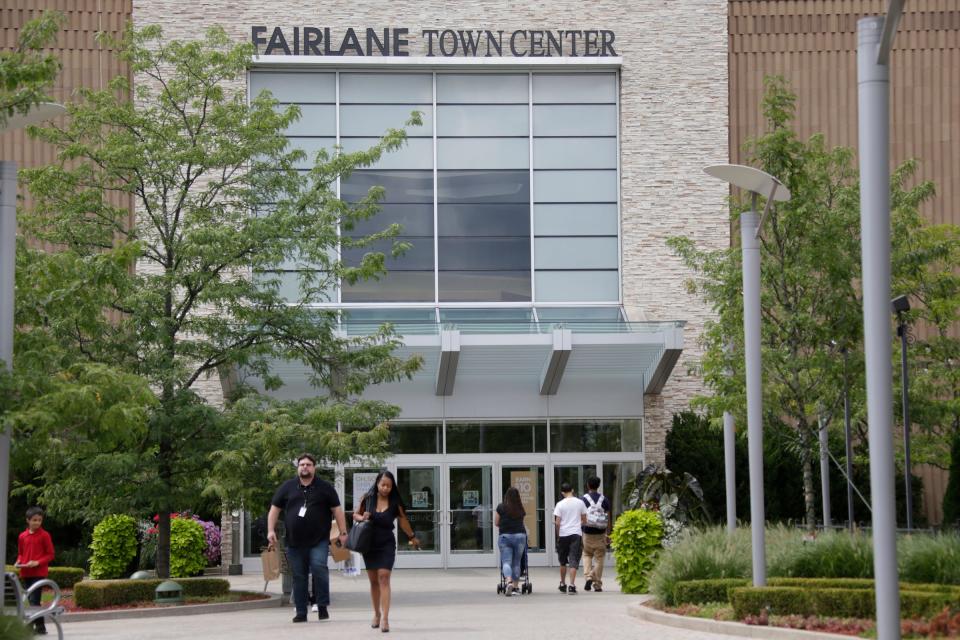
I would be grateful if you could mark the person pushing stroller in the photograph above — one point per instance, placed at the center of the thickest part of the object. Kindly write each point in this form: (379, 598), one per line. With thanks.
(512, 540)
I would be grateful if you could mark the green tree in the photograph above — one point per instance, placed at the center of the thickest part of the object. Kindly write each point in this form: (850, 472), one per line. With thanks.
(810, 265)
(190, 284)
(26, 72)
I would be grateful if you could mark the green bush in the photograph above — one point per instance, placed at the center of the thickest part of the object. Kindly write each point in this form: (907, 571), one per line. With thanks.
(831, 555)
(838, 603)
(11, 628)
(65, 577)
(114, 546)
(96, 594)
(701, 555)
(929, 559)
(951, 498)
(703, 591)
(750, 601)
(636, 539)
(187, 544)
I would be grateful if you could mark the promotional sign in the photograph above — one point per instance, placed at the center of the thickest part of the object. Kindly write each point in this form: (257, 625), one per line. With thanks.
(420, 499)
(361, 485)
(526, 482)
(471, 498)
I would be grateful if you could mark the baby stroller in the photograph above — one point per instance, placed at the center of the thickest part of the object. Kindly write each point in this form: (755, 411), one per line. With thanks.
(526, 587)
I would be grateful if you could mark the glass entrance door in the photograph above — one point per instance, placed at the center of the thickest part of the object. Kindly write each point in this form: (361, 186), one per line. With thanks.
(470, 516)
(420, 490)
(529, 481)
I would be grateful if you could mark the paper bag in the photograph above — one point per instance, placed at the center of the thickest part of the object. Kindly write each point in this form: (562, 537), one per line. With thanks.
(270, 559)
(337, 551)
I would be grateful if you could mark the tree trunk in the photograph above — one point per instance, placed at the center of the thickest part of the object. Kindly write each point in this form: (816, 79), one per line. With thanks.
(809, 493)
(163, 544)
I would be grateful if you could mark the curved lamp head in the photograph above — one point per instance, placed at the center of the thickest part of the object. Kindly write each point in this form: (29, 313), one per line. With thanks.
(753, 180)
(37, 113)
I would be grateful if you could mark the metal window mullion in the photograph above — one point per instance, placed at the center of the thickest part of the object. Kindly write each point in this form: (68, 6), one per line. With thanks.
(336, 98)
(533, 279)
(436, 227)
(619, 200)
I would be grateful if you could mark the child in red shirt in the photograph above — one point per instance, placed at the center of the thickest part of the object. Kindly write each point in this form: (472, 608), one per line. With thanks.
(34, 555)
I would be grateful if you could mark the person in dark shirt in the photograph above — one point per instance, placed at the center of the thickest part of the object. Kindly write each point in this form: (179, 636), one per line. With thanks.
(513, 538)
(309, 505)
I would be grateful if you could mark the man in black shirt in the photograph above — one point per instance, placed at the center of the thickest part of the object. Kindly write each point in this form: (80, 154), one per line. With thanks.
(596, 534)
(309, 504)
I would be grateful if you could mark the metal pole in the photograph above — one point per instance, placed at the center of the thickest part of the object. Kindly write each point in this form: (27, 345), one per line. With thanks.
(730, 472)
(825, 472)
(905, 391)
(8, 249)
(873, 84)
(849, 447)
(750, 246)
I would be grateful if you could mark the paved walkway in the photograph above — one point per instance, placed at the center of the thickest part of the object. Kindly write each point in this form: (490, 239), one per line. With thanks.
(460, 603)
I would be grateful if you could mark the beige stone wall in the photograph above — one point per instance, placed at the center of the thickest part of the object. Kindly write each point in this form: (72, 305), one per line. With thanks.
(673, 122)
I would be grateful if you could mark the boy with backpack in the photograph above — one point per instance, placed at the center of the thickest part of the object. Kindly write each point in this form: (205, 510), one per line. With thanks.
(596, 534)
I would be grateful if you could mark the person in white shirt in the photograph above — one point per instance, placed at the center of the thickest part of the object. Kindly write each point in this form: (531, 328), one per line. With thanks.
(569, 516)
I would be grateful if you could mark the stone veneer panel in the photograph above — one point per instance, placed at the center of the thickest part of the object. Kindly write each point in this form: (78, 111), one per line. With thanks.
(673, 122)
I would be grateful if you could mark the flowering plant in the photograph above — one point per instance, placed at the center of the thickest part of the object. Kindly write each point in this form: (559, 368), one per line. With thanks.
(148, 539)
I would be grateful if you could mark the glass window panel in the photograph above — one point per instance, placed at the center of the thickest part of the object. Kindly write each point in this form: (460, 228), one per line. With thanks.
(396, 88)
(415, 438)
(483, 220)
(574, 87)
(349, 491)
(415, 220)
(471, 509)
(575, 436)
(529, 481)
(400, 186)
(575, 219)
(456, 187)
(419, 488)
(483, 254)
(616, 475)
(576, 253)
(575, 120)
(484, 286)
(574, 474)
(295, 87)
(483, 153)
(486, 315)
(393, 315)
(496, 437)
(577, 286)
(315, 120)
(394, 286)
(474, 87)
(289, 286)
(419, 257)
(375, 119)
(415, 153)
(598, 314)
(311, 146)
(575, 186)
(575, 153)
(483, 120)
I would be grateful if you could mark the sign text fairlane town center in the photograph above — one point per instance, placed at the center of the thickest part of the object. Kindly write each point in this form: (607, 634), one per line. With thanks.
(448, 43)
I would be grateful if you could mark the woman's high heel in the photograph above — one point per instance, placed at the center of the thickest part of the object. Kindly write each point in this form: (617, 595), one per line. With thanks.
(385, 628)
(375, 623)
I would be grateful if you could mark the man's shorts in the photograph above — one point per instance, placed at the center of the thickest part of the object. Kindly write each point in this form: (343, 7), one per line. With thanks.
(569, 550)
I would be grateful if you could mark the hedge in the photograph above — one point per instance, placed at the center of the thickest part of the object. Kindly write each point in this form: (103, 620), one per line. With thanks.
(96, 594)
(703, 591)
(65, 577)
(836, 602)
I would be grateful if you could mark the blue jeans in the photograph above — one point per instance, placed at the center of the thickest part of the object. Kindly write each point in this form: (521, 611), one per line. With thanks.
(512, 546)
(313, 560)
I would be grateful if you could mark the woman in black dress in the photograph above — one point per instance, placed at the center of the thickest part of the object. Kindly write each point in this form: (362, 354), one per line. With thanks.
(381, 506)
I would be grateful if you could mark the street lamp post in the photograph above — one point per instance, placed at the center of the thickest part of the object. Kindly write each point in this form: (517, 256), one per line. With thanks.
(8, 250)
(849, 447)
(900, 306)
(757, 183)
(874, 41)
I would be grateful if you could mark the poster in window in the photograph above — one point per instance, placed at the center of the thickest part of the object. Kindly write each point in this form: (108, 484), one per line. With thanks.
(526, 482)
(471, 498)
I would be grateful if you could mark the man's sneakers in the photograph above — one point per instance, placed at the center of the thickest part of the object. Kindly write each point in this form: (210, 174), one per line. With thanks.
(597, 589)
(587, 584)
(562, 587)
(314, 608)
(299, 618)
(571, 590)
(323, 614)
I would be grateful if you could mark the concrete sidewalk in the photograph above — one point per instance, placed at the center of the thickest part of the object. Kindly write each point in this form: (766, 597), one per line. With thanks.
(457, 603)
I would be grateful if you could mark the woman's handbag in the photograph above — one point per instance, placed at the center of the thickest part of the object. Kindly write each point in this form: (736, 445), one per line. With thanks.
(360, 537)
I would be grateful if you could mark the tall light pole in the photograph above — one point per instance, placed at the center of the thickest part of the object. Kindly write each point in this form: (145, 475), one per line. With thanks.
(848, 445)
(8, 250)
(729, 461)
(874, 40)
(900, 306)
(757, 183)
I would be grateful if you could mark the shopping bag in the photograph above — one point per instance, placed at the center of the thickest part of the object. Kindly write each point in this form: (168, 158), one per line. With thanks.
(270, 560)
(337, 550)
(360, 537)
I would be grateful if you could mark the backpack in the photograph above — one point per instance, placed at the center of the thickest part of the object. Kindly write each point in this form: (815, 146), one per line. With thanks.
(596, 516)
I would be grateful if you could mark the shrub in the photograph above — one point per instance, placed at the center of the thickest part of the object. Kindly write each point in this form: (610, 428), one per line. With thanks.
(11, 628)
(841, 603)
(211, 535)
(701, 555)
(96, 594)
(928, 559)
(66, 577)
(830, 555)
(751, 601)
(187, 544)
(951, 498)
(703, 591)
(114, 546)
(636, 540)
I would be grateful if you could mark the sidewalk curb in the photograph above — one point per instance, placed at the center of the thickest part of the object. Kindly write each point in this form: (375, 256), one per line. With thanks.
(169, 612)
(735, 629)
